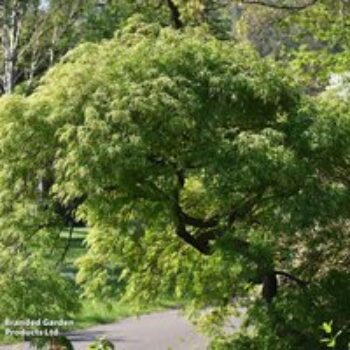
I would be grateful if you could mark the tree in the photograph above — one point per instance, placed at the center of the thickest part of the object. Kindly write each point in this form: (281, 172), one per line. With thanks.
(11, 16)
(312, 41)
(20, 19)
(201, 170)
(35, 34)
(321, 43)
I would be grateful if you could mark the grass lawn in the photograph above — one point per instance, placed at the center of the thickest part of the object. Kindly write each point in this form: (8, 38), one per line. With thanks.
(93, 313)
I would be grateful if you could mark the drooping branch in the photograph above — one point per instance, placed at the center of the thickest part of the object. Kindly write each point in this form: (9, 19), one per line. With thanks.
(279, 6)
(291, 277)
(175, 14)
(201, 245)
(270, 284)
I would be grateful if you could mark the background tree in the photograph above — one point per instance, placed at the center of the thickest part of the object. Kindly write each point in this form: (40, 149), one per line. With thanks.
(30, 35)
(35, 34)
(313, 40)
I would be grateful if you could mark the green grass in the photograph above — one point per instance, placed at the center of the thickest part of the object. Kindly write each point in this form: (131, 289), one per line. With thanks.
(93, 313)
(77, 248)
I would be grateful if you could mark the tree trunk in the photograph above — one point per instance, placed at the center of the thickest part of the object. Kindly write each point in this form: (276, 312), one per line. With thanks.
(11, 26)
(8, 78)
(270, 286)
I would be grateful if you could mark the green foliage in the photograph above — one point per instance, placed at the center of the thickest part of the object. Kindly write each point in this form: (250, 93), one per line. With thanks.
(321, 42)
(101, 344)
(30, 278)
(330, 339)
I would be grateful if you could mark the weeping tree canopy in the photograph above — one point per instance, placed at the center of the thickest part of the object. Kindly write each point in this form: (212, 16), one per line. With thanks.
(201, 170)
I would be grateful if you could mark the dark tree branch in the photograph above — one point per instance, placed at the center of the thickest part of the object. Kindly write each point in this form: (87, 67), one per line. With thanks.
(275, 5)
(201, 245)
(207, 235)
(180, 175)
(200, 223)
(208, 229)
(175, 14)
(200, 241)
(270, 284)
(270, 287)
(291, 277)
(180, 226)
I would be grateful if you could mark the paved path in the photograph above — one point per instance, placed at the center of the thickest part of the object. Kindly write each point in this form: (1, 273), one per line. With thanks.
(158, 331)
